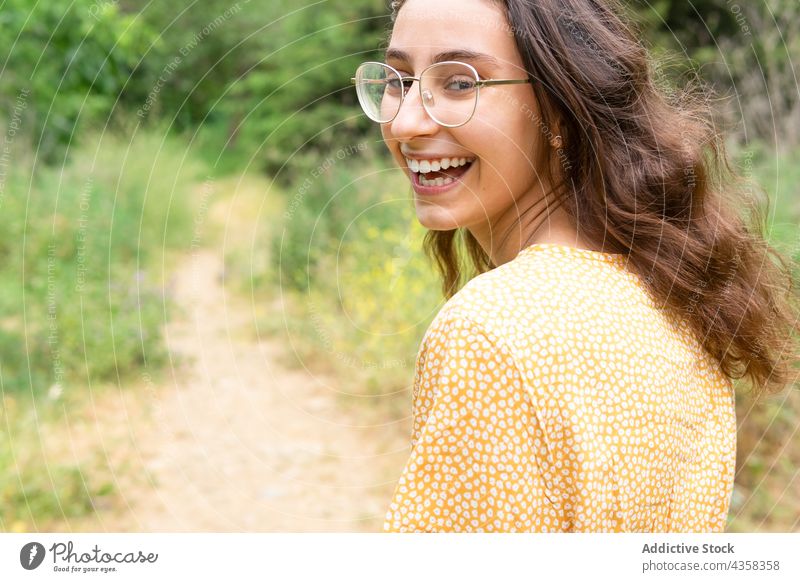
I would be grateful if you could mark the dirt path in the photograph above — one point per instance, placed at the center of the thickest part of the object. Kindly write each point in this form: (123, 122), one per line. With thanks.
(235, 441)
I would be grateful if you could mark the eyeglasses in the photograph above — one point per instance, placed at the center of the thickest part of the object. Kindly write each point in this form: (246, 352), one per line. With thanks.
(448, 91)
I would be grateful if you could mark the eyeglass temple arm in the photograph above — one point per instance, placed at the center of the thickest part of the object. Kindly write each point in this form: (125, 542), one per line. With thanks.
(503, 81)
(353, 80)
(484, 82)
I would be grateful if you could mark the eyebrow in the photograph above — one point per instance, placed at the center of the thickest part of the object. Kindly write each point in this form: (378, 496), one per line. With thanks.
(452, 55)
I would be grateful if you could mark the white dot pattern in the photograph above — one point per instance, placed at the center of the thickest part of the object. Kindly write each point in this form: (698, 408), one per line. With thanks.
(551, 394)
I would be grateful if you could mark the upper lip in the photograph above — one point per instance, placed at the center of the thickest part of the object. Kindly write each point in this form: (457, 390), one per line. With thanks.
(434, 156)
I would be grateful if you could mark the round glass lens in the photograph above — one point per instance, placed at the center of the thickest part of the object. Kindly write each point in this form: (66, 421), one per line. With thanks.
(379, 91)
(449, 92)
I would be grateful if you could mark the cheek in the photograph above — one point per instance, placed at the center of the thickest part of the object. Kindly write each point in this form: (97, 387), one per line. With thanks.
(386, 134)
(513, 159)
(393, 146)
(508, 158)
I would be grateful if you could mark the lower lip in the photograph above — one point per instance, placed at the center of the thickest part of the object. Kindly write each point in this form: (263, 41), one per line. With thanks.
(434, 190)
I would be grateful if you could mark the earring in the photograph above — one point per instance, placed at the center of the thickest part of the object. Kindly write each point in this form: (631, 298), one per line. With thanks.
(556, 142)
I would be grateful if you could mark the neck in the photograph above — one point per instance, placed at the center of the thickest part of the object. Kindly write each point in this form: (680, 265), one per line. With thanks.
(547, 222)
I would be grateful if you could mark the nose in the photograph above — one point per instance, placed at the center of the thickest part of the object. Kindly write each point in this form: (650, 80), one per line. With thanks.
(412, 120)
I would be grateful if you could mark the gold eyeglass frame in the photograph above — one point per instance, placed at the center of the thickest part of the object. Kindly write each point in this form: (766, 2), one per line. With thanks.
(478, 84)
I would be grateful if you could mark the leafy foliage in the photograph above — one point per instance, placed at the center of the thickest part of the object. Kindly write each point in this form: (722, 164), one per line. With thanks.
(745, 50)
(81, 296)
(69, 62)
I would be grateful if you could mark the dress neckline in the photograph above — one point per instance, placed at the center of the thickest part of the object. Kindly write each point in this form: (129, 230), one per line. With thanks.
(566, 250)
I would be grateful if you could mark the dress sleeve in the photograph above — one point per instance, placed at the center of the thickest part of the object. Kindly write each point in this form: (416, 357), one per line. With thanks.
(473, 460)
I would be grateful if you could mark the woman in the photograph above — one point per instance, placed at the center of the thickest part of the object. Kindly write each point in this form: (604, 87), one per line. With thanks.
(583, 380)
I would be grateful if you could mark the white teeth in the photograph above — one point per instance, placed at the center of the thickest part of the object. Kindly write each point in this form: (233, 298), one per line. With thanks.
(425, 166)
(437, 182)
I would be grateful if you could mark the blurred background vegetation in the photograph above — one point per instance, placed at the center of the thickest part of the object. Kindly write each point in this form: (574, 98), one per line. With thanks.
(115, 112)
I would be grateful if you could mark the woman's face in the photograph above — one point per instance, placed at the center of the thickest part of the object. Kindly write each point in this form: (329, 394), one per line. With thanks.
(502, 137)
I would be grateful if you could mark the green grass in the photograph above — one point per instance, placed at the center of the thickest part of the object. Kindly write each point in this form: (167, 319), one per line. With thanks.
(358, 291)
(766, 494)
(82, 290)
(83, 300)
(41, 486)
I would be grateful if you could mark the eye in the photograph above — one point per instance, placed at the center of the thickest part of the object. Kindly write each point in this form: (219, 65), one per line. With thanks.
(393, 83)
(460, 84)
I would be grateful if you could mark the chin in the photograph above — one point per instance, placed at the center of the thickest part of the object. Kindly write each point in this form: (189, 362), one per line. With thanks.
(435, 218)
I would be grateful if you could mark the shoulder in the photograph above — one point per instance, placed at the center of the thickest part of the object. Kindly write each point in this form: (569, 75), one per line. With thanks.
(577, 305)
(551, 287)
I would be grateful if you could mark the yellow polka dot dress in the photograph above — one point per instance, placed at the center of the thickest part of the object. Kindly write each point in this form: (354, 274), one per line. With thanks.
(551, 394)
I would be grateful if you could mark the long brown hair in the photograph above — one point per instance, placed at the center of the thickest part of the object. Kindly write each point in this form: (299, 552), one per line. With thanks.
(649, 178)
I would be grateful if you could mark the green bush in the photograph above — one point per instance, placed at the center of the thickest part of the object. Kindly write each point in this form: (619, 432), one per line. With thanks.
(82, 297)
(82, 302)
(295, 103)
(68, 63)
(350, 256)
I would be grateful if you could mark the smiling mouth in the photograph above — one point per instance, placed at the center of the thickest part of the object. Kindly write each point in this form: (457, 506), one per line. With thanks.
(440, 172)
